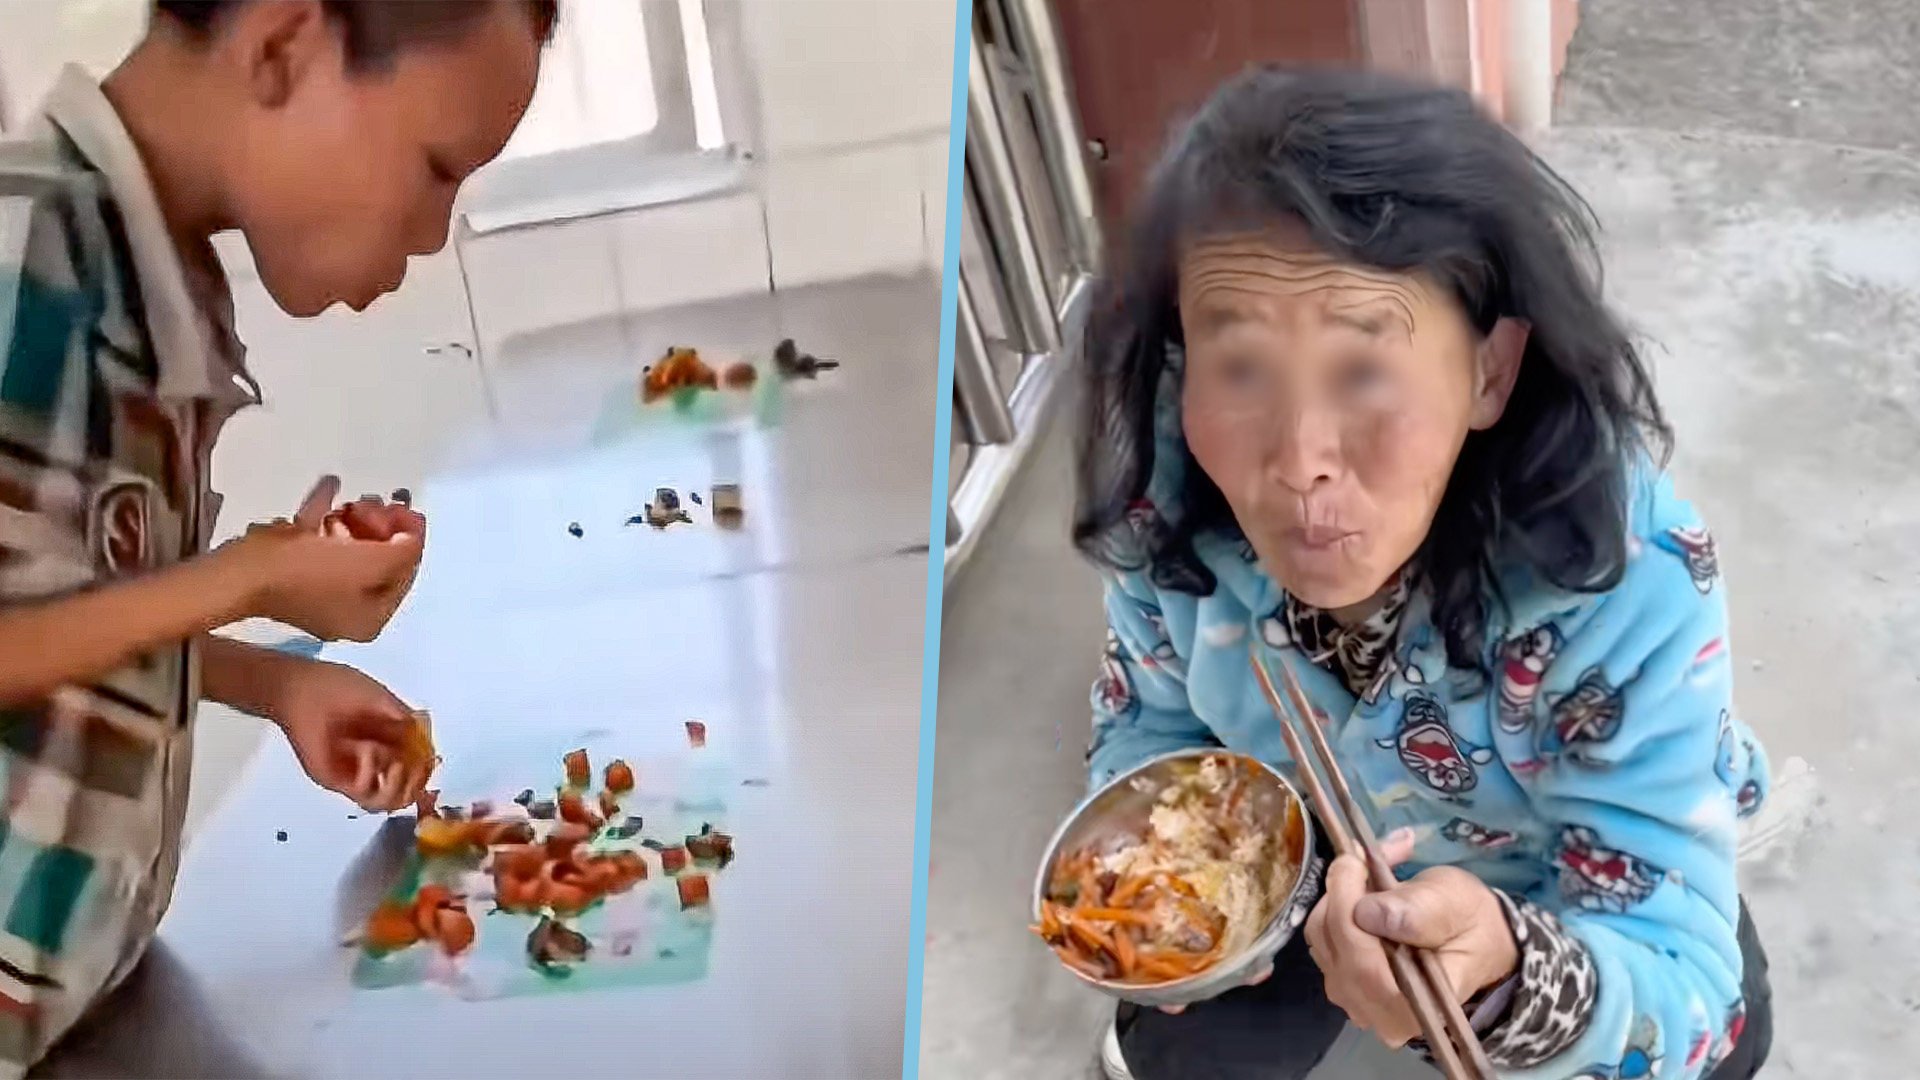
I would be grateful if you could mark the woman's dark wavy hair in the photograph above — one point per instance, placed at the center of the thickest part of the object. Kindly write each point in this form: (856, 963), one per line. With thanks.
(1401, 177)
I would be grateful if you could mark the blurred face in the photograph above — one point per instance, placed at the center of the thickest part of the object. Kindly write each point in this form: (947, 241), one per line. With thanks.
(1328, 402)
(337, 176)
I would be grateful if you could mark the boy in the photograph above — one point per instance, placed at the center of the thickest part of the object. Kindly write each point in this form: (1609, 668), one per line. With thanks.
(333, 135)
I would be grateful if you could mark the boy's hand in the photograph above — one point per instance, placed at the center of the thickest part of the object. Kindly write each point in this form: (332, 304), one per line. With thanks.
(334, 574)
(350, 735)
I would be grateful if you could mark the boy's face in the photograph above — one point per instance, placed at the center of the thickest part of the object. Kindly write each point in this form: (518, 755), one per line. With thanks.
(338, 175)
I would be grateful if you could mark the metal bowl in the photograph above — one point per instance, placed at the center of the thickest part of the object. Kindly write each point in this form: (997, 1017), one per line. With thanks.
(1118, 812)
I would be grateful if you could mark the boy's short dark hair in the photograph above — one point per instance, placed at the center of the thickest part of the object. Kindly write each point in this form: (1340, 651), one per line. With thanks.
(375, 30)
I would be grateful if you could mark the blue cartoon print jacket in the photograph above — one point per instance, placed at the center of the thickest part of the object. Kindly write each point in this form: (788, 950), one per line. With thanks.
(1596, 784)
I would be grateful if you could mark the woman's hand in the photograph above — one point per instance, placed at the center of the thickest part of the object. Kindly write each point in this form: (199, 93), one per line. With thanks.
(1444, 909)
(350, 734)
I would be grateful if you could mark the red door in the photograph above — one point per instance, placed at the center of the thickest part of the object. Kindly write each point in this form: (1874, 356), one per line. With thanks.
(1139, 66)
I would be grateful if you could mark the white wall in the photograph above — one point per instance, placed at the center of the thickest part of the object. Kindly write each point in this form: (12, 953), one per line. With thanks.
(844, 103)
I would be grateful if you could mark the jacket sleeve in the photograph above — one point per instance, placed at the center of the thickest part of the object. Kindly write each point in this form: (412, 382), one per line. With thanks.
(1140, 705)
(1641, 780)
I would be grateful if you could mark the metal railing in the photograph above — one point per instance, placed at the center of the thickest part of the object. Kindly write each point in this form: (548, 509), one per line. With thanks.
(1029, 207)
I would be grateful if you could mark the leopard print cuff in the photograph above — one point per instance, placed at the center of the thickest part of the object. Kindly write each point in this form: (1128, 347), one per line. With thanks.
(1556, 993)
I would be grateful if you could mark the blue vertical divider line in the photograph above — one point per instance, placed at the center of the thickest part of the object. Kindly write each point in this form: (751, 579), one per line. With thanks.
(936, 541)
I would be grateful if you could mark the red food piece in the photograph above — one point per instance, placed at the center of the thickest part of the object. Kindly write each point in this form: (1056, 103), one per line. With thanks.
(579, 769)
(693, 891)
(619, 777)
(517, 894)
(454, 931)
(740, 376)
(673, 859)
(565, 837)
(696, 734)
(574, 809)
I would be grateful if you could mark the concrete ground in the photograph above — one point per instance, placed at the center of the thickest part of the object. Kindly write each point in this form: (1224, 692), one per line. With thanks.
(1752, 170)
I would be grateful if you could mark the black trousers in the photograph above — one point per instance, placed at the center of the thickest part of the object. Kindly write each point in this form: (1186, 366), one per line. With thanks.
(1280, 1029)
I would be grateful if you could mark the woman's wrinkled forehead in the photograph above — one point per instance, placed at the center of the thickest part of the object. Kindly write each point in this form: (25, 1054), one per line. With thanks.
(1241, 276)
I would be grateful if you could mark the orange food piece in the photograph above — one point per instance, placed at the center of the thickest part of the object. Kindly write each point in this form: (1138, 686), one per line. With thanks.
(567, 899)
(694, 891)
(438, 836)
(518, 860)
(417, 745)
(579, 769)
(680, 369)
(631, 865)
(619, 777)
(391, 927)
(673, 859)
(455, 931)
(740, 376)
(574, 810)
(426, 907)
(564, 838)
(515, 893)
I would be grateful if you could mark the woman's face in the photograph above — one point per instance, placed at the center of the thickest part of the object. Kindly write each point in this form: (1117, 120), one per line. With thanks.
(1329, 401)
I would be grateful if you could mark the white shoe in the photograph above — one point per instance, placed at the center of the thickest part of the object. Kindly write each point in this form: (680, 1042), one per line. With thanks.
(1112, 1064)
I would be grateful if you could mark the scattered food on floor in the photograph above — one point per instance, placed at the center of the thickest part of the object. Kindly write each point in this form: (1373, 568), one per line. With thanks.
(665, 509)
(728, 513)
(680, 369)
(794, 364)
(574, 530)
(552, 944)
(281, 836)
(637, 519)
(696, 734)
(695, 496)
(619, 778)
(551, 859)
(756, 781)
(693, 891)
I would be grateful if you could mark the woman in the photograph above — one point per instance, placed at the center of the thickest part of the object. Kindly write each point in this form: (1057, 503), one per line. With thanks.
(1354, 396)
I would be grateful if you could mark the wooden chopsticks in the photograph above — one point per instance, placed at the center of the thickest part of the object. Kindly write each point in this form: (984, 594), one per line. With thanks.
(1422, 981)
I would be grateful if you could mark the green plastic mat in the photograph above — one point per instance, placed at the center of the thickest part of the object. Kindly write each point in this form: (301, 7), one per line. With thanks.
(639, 938)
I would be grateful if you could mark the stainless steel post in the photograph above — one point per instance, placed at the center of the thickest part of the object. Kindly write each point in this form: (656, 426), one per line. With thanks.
(1000, 190)
(983, 404)
(1061, 139)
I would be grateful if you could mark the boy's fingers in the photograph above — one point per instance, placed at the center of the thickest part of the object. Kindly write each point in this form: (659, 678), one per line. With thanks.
(315, 507)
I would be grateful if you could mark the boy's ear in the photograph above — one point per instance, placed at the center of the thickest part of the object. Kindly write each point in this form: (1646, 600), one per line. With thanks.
(275, 45)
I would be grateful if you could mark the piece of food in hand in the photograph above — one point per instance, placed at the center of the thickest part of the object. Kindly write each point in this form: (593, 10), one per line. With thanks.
(391, 928)
(579, 768)
(619, 777)
(454, 930)
(693, 891)
(551, 943)
(439, 837)
(696, 734)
